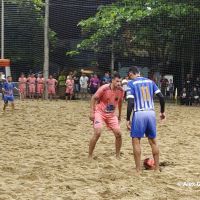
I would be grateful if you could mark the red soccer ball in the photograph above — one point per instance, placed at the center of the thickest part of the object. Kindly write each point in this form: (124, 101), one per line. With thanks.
(149, 163)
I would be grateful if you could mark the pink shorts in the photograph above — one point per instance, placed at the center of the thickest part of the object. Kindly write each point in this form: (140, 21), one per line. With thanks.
(69, 90)
(40, 89)
(110, 119)
(32, 88)
(22, 89)
(51, 90)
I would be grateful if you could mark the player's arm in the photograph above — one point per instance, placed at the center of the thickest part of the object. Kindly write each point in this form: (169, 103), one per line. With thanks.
(95, 98)
(93, 102)
(130, 108)
(161, 100)
(162, 105)
(120, 108)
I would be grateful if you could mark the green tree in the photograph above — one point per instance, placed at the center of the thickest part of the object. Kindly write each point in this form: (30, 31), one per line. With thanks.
(160, 27)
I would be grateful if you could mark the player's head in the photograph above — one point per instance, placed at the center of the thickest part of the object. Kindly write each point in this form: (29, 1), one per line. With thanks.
(116, 80)
(22, 75)
(195, 89)
(9, 78)
(70, 77)
(95, 75)
(133, 72)
(32, 75)
(50, 76)
(40, 75)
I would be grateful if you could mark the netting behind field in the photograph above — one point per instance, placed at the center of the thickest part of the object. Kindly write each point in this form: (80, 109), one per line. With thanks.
(162, 38)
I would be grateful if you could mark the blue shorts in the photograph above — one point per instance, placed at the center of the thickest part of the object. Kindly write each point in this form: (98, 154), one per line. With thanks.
(144, 122)
(8, 98)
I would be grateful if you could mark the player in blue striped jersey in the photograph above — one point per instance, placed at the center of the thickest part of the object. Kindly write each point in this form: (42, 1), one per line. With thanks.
(144, 118)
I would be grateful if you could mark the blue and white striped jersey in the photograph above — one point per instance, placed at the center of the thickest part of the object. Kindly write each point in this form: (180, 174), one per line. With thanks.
(143, 90)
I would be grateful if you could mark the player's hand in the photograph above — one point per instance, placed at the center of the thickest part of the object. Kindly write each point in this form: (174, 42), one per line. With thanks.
(128, 125)
(162, 116)
(91, 117)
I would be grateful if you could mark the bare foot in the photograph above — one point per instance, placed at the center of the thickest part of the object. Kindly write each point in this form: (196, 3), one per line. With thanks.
(137, 172)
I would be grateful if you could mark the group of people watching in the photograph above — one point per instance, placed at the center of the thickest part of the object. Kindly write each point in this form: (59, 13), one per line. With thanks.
(68, 86)
(191, 91)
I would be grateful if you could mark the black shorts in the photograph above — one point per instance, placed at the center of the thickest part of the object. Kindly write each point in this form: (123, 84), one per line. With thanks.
(93, 90)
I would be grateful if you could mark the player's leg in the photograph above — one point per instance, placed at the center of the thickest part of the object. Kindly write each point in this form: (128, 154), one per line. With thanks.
(138, 128)
(137, 153)
(30, 91)
(151, 134)
(13, 106)
(5, 103)
(93, 141)
(155, 152)
(113, 123)
(98, 124)
(71, 94)
(118, 141)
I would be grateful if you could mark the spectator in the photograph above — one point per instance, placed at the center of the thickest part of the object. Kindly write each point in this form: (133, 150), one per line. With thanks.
(188, 84)
(94, 84)
(171, 89)
(194, 96)
(76, 85)
(22, 86)
(84, 86)
(164, 84)
(124, 86)
(51, 85)
(106, 79)
(69, 87)
(184, 97)
(197, 84)
(61, 85)
(32, 86)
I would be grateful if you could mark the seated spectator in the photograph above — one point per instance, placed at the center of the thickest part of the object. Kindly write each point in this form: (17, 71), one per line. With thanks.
(184, 97)
(197, 84)
(195, 96)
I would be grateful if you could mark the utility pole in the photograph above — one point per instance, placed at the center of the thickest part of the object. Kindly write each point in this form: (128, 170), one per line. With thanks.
(46, 46)
(7, 68)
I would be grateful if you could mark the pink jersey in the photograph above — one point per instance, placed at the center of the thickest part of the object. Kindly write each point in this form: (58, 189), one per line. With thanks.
(70, 83)
(22, 84)
(40, 80)
(40, 85)
(51, 83)
(70, 86)
(108, 99)
(31, 80)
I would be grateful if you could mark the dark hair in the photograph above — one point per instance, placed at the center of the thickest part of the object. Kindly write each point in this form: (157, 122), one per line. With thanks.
(9, 76)
(115, 75)
(134, 70)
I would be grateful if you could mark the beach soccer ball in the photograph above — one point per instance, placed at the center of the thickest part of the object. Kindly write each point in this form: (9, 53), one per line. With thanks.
(149, 163)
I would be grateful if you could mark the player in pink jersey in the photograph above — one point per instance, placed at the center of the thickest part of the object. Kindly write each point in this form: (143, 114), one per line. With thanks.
(69, 87)
(22, 86)
(51, 85)
(31, 83)
(40, 86)
(103, 105)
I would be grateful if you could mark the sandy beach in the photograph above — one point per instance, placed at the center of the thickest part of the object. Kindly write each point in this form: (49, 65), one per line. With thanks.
(44, 147)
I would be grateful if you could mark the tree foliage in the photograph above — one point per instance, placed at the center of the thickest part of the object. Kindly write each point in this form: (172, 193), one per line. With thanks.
(161, 27)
